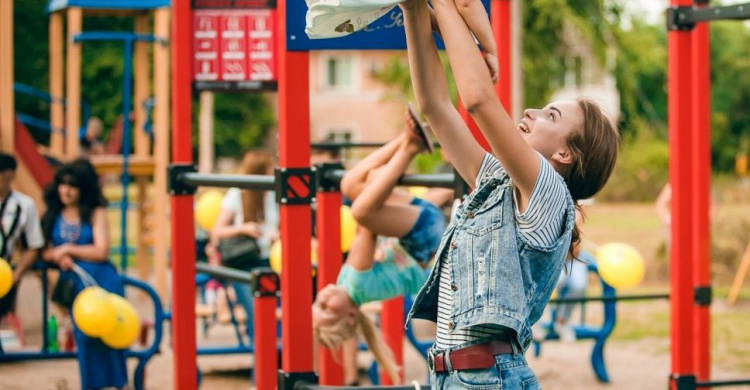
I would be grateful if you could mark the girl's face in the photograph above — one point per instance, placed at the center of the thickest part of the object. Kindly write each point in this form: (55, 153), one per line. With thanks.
(69, 194)
(333, 304)
(547, 129)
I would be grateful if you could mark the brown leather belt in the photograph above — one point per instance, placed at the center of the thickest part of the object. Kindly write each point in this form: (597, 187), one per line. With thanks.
(475, 357)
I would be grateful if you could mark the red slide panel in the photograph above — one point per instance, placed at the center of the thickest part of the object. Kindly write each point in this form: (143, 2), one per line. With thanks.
(30, 156)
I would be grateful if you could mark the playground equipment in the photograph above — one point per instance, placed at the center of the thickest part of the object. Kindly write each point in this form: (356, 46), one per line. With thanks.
(689, 90)
(142, 355)
(65, 124)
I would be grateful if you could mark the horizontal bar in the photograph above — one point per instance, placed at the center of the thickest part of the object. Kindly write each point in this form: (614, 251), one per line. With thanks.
(345, 145)
(308, 386)
(442, 180)
(116, 36)
(267, 182)
(723, 383)
(608, 299)
(350, 145)
(208, 351)
(223, 272)
(688, 16)
(248, 182)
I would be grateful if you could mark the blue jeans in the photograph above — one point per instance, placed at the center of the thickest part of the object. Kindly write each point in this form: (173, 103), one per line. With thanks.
(423, 239)
(244, 294)
(510, 372)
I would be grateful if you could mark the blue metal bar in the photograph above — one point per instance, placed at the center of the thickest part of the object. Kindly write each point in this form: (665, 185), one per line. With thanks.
(126, 97)
(41, 124)
(117, 36)
(46, 97)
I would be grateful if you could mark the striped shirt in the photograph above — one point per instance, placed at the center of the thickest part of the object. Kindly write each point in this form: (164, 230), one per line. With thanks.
(540, 225)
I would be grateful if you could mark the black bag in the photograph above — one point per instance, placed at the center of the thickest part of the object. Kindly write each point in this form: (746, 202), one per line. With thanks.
(240, 252)
(64, 292)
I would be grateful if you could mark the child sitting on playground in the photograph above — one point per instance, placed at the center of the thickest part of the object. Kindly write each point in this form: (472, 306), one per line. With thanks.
(327, 20)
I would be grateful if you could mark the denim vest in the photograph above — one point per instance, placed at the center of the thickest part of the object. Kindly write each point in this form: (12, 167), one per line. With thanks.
(497, 277)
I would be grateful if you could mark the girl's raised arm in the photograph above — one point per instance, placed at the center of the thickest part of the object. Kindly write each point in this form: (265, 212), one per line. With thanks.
(431, 91)
(478, 95)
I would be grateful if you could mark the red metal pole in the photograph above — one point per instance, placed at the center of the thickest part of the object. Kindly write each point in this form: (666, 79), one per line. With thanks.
(500, 17)
(680, 175)
(701, 248)
(185, 371)
(329, 263)
(294, 152)
(392, 326)
(266, 353)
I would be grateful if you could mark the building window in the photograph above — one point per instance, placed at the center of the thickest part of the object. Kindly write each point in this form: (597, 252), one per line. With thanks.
(342, 135)
(339, 72)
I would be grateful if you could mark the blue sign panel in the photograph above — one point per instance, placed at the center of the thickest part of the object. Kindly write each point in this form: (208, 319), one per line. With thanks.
(387, 33)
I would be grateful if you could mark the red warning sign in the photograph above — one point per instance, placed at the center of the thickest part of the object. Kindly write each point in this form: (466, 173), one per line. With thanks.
(234, 45)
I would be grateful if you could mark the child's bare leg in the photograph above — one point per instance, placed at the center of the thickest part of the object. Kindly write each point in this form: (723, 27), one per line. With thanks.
(355, 178)
(371, 208)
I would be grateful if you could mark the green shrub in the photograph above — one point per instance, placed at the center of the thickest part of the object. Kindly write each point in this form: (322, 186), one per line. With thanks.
(640, 173)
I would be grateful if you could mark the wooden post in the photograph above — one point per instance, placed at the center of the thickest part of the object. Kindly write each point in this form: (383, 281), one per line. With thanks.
(56, 83)
(739, 278)
(141, 92)
(206, 132)
(161, 152)
(7, 105)
(73, 95)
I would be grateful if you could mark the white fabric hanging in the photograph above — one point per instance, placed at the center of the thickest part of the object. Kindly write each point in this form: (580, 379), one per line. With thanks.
(338, 18)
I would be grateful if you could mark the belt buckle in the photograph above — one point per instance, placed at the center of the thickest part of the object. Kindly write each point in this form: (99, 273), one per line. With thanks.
(431, 361)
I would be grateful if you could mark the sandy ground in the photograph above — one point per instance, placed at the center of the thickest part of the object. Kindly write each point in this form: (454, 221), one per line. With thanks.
(632, 365)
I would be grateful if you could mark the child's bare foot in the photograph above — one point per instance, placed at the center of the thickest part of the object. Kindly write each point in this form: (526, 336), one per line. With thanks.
(493, 64)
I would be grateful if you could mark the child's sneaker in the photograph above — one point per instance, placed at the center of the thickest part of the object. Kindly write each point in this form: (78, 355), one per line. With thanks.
(421, 129)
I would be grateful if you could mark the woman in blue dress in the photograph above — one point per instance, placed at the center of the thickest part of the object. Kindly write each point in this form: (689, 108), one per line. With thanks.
(76, 228)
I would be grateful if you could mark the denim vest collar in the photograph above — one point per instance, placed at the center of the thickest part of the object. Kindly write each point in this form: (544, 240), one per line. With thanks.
(497, 277)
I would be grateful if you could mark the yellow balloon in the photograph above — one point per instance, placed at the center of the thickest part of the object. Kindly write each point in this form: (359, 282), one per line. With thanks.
(207, 209)
(418, 192)
(6, 277)
(620, 265)
(127, 325)
(275, 257)
(93, 313)
(348, 228)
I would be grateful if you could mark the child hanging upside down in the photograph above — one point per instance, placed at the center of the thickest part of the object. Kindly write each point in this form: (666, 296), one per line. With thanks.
(372, 272)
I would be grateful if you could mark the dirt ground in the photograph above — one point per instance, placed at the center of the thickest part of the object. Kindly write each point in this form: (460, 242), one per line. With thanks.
(631, 365)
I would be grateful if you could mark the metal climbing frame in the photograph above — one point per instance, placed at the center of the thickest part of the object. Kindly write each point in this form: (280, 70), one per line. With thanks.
(689, 106)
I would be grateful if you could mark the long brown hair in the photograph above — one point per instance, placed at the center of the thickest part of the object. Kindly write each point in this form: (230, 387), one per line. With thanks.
(594, 147)
(255, 162)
